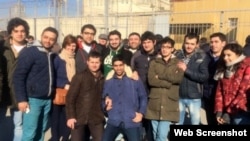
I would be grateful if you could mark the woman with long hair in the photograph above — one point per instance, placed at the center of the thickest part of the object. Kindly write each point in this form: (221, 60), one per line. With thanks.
(233, 89)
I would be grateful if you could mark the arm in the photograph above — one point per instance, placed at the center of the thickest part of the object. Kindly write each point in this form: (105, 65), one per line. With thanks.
(218, 108)
(200, 75)
(24, 65)
(60, 72)
(143, 100)
(153, 81)
(71, 98)
(106, 102)
(173, 75)
(241, 98)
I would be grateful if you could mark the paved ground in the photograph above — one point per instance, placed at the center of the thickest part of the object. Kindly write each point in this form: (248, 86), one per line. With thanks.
(6, 125)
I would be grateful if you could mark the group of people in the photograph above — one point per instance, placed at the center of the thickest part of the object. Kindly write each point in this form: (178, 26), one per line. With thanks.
(136, 90)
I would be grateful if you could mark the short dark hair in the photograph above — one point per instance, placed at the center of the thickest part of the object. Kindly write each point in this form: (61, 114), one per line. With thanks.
(167, 40)
(14, 22)
(192, 36)
(51, 29)
(90, 26)
(95, 54)
(115, 32)
(222, 36)
(148, 35)
(118, 57)
(134, 33)
(31, 37)
(68, 40)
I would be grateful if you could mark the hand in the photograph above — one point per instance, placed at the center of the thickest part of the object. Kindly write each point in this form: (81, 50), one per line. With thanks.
(66, 86)
(23, 106)
(135, 75)
(181, 65)
(71, 123)
(108, 103)
(220, 120)
(138, 117)
(157, 77)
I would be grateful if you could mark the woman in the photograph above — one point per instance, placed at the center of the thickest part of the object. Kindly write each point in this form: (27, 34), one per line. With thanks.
(64, 65)
(233, 89)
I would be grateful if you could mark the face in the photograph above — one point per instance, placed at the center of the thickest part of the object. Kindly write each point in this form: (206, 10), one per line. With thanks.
(88, 36)
(48, 39)
(166, 50)
(134, 41)
(94, 64)
(70, 48)
(79, 40)
(148, 45)
(18, 35)
(102, 42)
(190, 45)
(216, 44)
(229, 56)
(118, 67)
(114, 41)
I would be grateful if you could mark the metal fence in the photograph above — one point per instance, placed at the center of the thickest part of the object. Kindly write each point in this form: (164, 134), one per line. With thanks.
(68, 19)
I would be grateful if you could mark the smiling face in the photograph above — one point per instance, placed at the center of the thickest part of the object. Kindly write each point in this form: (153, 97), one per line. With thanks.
(229, 56)
(70, 48)
(118, 67)
(88, 35)
(114, 41)
(166, 50)
(216, 45)
(18, 35)
(134, 41)
(190, 44)
(48, 39)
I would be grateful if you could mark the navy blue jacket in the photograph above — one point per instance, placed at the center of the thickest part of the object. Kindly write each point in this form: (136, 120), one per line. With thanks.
(33, 76)
(195, 75)
(60, 72)
(128, 96)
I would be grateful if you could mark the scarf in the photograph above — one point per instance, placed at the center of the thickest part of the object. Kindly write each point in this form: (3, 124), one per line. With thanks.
(70, 63)
(229, 72)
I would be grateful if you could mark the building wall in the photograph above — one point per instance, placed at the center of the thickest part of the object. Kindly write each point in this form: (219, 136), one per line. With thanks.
(208, 16)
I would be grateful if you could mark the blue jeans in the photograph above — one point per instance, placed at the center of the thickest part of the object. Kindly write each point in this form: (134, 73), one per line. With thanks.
(18, 123)
(111, 132)
(35, 122)
(161, 129)
(194, 106)
(242, 118)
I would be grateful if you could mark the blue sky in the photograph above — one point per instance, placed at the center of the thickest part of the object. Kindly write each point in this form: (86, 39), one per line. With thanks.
(37, 8)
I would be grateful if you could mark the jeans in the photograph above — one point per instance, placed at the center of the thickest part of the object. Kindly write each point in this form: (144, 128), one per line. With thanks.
(35, 122)
(242, 118)
(161, 129)
(110, 133)
(59, 123)
(18, 123)
(194, 106)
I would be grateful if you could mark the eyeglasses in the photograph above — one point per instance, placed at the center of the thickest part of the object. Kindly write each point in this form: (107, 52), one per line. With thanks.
(89, 33)
(167, 47)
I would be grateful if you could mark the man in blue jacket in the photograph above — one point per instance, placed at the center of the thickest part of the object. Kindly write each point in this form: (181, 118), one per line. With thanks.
(129, 102)
(194, 63)
(33, 83)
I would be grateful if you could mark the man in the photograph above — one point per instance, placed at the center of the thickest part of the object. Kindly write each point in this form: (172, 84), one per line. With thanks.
(18, 29)
(87, 45)
(83, 103)
(195, 66)
(217, 43)
(30, 40)
(115, 47)
(164, 78)
(246, 48)
(33, 85)
(134, 42)
(123, 117)
(140, 64)
(103, 40)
